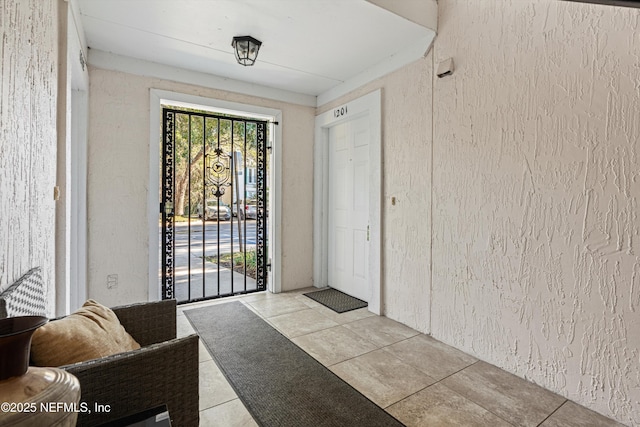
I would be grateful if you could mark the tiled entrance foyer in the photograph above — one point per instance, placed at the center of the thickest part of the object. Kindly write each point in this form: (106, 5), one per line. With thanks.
(419, 380)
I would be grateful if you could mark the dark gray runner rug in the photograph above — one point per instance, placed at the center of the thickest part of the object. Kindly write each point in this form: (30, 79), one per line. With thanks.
(336, 300)
(278, 382)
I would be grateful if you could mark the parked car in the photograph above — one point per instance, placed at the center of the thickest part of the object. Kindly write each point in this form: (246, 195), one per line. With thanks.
(216, 210)
(248, 209)
(251, 209)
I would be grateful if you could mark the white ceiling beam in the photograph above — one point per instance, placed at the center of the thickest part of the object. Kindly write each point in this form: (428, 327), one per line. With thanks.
(110, 61)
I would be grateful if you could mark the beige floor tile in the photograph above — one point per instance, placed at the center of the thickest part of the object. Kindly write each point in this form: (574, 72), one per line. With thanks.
(299, 292)
(346, 317)
(203, 353)
(259, 296)
(207, 303)
(438, 406)
(432, 357)
(382, 377)
(381, 330)
(256, 312)
(230, 414)
(573, 415)
(214, 388)
(334, 345)
(301, 322)
(307, 301)
(512, 398)
(183, 327)
(270, 307)
(477, 395)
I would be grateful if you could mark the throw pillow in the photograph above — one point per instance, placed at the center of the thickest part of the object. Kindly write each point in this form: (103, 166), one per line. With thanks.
(93, 331)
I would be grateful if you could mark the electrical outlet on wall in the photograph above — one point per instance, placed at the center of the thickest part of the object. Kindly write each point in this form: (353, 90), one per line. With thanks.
(112, 281)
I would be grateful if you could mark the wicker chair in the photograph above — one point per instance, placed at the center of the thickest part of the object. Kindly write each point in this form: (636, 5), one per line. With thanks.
(163, 372)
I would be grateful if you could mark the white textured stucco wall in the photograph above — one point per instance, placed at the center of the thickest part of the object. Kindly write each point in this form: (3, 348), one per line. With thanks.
(406, 153)
(536, 185)
(536, 192)
(28, 139)
(119, 181)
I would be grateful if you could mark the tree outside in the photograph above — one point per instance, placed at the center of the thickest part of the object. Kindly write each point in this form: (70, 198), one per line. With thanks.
(199, 136)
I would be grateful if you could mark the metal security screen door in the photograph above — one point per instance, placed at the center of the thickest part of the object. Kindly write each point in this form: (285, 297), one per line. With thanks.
(213, 205)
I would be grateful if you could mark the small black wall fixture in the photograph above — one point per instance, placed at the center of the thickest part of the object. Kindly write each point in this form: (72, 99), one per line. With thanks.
(246, 49)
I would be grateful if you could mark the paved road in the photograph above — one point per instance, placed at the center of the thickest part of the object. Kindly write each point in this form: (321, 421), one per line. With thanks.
(209, 236)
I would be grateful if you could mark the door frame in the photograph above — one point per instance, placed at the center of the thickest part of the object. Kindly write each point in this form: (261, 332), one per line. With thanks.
(71, 262)
(158, 97)
(367, 105)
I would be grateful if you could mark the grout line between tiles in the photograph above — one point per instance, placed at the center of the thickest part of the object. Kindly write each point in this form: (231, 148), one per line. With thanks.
(453, 391)
(436, 382)
(218, 404)
(553, 412)
(468, 398)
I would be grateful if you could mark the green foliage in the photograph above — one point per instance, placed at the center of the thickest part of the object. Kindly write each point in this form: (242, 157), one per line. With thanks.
(198, 134)
(238, 262)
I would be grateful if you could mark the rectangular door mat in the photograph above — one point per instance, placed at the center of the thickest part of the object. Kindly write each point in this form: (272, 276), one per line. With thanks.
(336, 300)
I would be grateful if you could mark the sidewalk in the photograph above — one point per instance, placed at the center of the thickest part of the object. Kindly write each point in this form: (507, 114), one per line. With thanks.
(217, 280)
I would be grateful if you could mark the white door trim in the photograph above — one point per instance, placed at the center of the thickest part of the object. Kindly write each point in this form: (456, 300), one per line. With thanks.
(157, 96)
(71, 174)
(369, 105)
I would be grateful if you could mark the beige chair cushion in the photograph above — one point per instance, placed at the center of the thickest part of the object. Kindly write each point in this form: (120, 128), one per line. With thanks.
(93, 331)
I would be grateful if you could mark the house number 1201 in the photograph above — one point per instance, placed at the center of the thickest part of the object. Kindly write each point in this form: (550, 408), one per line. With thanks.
(339, 112)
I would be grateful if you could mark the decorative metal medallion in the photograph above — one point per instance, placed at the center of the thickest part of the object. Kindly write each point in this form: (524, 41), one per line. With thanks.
(218, 166)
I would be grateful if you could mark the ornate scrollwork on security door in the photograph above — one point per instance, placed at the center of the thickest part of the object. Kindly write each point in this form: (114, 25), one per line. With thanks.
(218, 171)
(261, 217)
(168, 161)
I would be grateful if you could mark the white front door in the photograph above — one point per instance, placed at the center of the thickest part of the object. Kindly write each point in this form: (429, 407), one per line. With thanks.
(348, 209)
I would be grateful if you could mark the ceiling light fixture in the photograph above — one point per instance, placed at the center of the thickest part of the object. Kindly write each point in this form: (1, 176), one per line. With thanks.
(246, 49)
